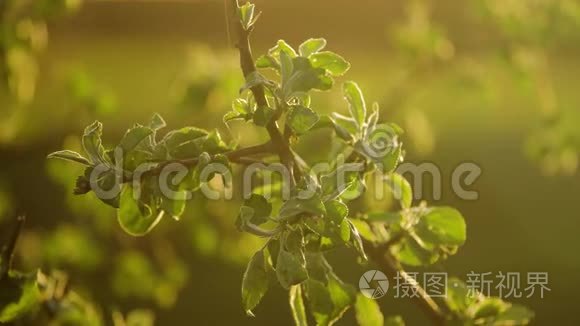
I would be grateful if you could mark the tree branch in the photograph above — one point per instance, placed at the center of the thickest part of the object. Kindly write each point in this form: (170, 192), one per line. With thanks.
(248, 67)
(7, 253)
(236, 156)
(387, 263)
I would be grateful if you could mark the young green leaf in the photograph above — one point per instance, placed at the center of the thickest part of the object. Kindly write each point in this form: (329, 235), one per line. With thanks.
(368, 312)
(442, 226)
(297, 306)
(410, 252)
(385, 217)
(267, 61)
(394, 321)
(319, 300)
(357, 241)
(263, 115)
(336, 210)
(255, 210)
(311, 46)
(458, 297)
(301, 119)
(356, 101)
(286, 67)
(70, 156)
(136, 219)
(92, 143)
(254, 282)
(19, 296)
(289, 270)
(175, 206)
(180, 136)
(401, 189)
(247, 15)
(295, 206)
(305, 77)
(157, 122)
(330, 61)
(343, 296)
(134, 137)
(282, 46)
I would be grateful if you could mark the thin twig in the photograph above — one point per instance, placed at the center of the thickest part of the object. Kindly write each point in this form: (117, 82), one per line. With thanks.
(7, 253)
(236, 156)
(248, 67)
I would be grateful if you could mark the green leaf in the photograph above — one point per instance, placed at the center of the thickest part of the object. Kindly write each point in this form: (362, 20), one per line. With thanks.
(136, 219)
(301, 119)
(410, 252)
(213, 143)
(267, 61)
(286, 67)
(295, 206)
(247, 15)
(92, 143)
(401, 189)
(311, 46)
(394, 321)
(330, 61)
(368, 312)
(458, 296)
(19, 296)
(390, 161)
(134, 137)
(305, 78)
(328, 122)
(356, 101)
(255, 210)
(263, 115)
(343, 296)
(175, 206)
(336, 210)
(364, 229)
(282, 46)
(289, 270)
(180, 136)
(386, 217)
(232, 115)
(241, 106)
(254, 79)
(254, 282)
(140, 317)
(488, 307)
(70, 156)
(157, 122)
(328, 302)
(442, 226)
(319, 300)
(357, 241)
(297, 306)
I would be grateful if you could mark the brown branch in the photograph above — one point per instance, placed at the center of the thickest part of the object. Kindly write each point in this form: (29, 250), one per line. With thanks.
(236, 156)
(392, 268)
(7, 253)
(248, 67)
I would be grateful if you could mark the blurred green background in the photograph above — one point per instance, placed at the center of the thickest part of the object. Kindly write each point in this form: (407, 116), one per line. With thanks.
(491, 82)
